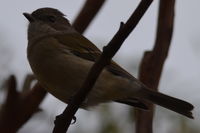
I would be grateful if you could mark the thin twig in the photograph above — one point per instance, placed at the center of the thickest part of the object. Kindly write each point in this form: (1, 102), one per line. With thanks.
(153, 61)
(63, 121)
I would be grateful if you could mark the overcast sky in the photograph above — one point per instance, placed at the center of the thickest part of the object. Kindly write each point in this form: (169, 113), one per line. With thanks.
(181, 73)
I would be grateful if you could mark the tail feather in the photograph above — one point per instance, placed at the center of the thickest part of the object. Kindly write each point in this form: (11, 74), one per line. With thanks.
(133, 102)
(169, 102)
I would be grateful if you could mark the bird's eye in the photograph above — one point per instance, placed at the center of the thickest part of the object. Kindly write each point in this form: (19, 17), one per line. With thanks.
(51, 19)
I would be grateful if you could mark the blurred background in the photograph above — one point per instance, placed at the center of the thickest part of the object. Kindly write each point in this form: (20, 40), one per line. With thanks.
(180, 77)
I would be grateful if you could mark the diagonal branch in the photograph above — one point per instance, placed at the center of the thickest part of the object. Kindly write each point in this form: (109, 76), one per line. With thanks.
(63, 121)
(87, 14)
(153, 61)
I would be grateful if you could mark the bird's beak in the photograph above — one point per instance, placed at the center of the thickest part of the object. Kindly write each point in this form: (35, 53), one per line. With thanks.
(29, 17)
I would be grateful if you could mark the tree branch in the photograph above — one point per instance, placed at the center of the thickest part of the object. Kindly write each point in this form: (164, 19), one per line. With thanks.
(153, 61)
(63, 121)
(19, 106)
(87, 14)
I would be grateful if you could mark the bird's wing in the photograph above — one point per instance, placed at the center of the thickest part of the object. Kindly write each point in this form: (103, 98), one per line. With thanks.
(85, 49)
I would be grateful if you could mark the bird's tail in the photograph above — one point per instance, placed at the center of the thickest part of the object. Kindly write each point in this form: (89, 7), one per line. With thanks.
(174, 104)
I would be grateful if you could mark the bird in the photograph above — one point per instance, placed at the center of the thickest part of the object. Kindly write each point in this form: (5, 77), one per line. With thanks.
(60, 58)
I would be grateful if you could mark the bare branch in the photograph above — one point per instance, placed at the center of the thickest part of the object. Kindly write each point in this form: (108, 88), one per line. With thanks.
(63, 121)
(87, 14)
(19, 106)
(153, 61)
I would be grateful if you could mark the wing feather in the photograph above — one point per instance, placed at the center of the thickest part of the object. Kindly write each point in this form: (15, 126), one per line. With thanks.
(85, 49)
